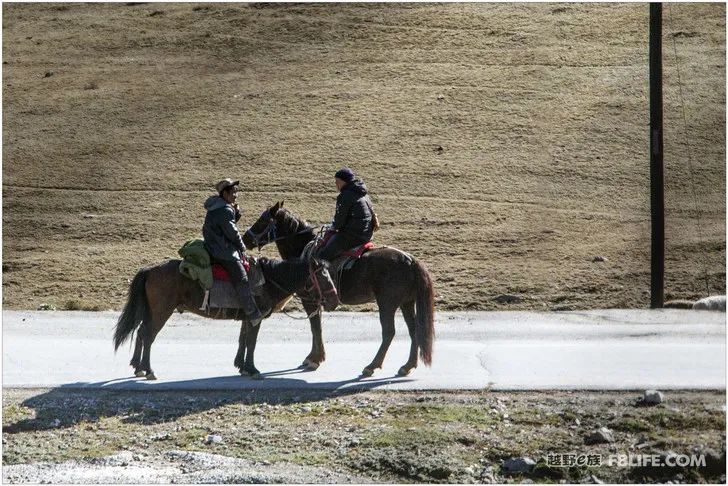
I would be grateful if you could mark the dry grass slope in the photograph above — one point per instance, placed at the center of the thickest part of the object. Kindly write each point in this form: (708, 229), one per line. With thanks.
(505, 144)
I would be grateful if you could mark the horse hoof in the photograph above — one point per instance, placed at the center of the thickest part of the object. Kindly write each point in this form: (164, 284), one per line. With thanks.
(403, 371)
(256, 376)
(312, 366)
(151, 376)
(140, 373)
(243, 372)
(367, 372)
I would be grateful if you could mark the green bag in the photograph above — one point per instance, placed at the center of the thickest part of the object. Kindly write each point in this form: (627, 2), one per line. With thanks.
(196, 263)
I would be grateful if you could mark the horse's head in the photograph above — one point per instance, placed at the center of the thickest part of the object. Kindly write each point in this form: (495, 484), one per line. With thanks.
(323, 284)
(264, 230)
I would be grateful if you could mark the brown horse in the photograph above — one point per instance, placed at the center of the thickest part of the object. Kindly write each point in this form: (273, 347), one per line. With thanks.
(392, 278)
(155, 293)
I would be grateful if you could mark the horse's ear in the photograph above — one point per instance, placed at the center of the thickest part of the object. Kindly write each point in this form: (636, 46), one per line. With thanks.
(281, 203)
(275, 208)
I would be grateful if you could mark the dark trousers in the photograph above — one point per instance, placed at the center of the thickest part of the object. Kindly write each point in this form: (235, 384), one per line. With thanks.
(239, 279)
(338, 243)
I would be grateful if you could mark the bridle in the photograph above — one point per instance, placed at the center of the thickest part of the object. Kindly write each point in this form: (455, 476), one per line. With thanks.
(314, 270)
(269, 234)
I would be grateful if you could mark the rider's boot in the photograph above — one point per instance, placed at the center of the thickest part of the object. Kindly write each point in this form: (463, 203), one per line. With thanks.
(248, 302)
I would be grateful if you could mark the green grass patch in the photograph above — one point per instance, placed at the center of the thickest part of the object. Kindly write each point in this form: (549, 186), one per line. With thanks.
(410, 438)
(435, 414)
(699, 419)
(633, 425)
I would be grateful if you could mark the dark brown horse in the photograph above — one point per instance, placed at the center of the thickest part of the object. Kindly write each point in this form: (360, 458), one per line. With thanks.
(392, 278)
(155, 293)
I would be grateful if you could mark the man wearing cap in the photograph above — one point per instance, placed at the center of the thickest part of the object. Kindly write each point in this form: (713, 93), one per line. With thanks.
(353, 221)
(224, 244)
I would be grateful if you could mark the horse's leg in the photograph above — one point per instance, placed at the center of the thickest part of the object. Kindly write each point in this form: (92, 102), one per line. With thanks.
(317, 354)
(240, 357)
(386, 318)
(136, 359)
(159, 315)
(408, 311)
(251, 339)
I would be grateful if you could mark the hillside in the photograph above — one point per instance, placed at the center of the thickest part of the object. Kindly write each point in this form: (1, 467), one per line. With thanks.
(506, 145)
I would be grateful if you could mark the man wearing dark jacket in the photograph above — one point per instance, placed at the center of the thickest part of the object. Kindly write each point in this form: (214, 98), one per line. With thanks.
(224, 244)
(353, 221)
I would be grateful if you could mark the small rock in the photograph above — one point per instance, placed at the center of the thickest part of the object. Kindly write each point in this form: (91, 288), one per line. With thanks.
(600, 436)
(653, 397)
(48, 74)
(507, 299)
(213, 439)
(50, 307)
(518, 465)
(487, 476)
(713, 303)
(600, 258)
(562, 308)
(440, 97)
(714, 462)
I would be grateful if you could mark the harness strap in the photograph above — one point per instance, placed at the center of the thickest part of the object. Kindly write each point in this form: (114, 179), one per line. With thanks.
(205, 301)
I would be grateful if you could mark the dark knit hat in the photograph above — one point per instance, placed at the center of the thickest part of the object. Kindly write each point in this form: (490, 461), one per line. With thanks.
(345, 174)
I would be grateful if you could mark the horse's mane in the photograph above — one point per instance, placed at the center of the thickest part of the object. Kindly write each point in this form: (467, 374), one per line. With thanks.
(290, 221)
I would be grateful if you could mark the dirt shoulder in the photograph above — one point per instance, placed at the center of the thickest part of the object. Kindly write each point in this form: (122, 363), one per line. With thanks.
(313, 436)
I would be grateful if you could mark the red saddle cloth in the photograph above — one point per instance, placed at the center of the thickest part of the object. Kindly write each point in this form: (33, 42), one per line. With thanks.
(359, 250)
(219, 272)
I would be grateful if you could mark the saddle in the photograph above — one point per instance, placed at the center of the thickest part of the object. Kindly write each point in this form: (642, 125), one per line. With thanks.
(346, 260)
(222, 295)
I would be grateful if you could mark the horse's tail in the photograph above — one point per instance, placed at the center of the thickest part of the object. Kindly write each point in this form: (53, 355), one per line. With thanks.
(424, 312)
(135, 311)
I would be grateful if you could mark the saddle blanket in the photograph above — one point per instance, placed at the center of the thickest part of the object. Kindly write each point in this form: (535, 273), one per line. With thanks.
(223, 294)
(346, 260)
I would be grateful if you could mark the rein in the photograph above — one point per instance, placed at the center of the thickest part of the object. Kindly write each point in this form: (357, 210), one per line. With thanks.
(314, 286)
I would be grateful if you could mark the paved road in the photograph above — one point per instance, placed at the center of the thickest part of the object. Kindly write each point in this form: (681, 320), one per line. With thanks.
(610, 349)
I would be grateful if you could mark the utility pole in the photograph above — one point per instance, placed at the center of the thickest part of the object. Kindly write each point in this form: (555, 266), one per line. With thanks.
(657, 191)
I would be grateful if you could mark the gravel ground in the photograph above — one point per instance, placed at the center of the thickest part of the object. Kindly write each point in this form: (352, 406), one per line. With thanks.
(78, 436)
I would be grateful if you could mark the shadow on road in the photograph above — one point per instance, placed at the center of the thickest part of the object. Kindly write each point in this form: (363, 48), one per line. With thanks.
(136, 400)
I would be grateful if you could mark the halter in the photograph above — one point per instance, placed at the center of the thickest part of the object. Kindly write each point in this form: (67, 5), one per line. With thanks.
(269, 232)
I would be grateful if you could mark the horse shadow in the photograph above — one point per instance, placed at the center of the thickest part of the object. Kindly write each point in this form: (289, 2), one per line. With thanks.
(139, 401)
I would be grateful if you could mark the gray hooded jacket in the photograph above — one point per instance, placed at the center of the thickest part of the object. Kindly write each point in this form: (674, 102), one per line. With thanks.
(221, 235)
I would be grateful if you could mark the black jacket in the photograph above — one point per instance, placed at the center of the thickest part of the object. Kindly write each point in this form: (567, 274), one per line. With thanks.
(354, 211)
(221, 235)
